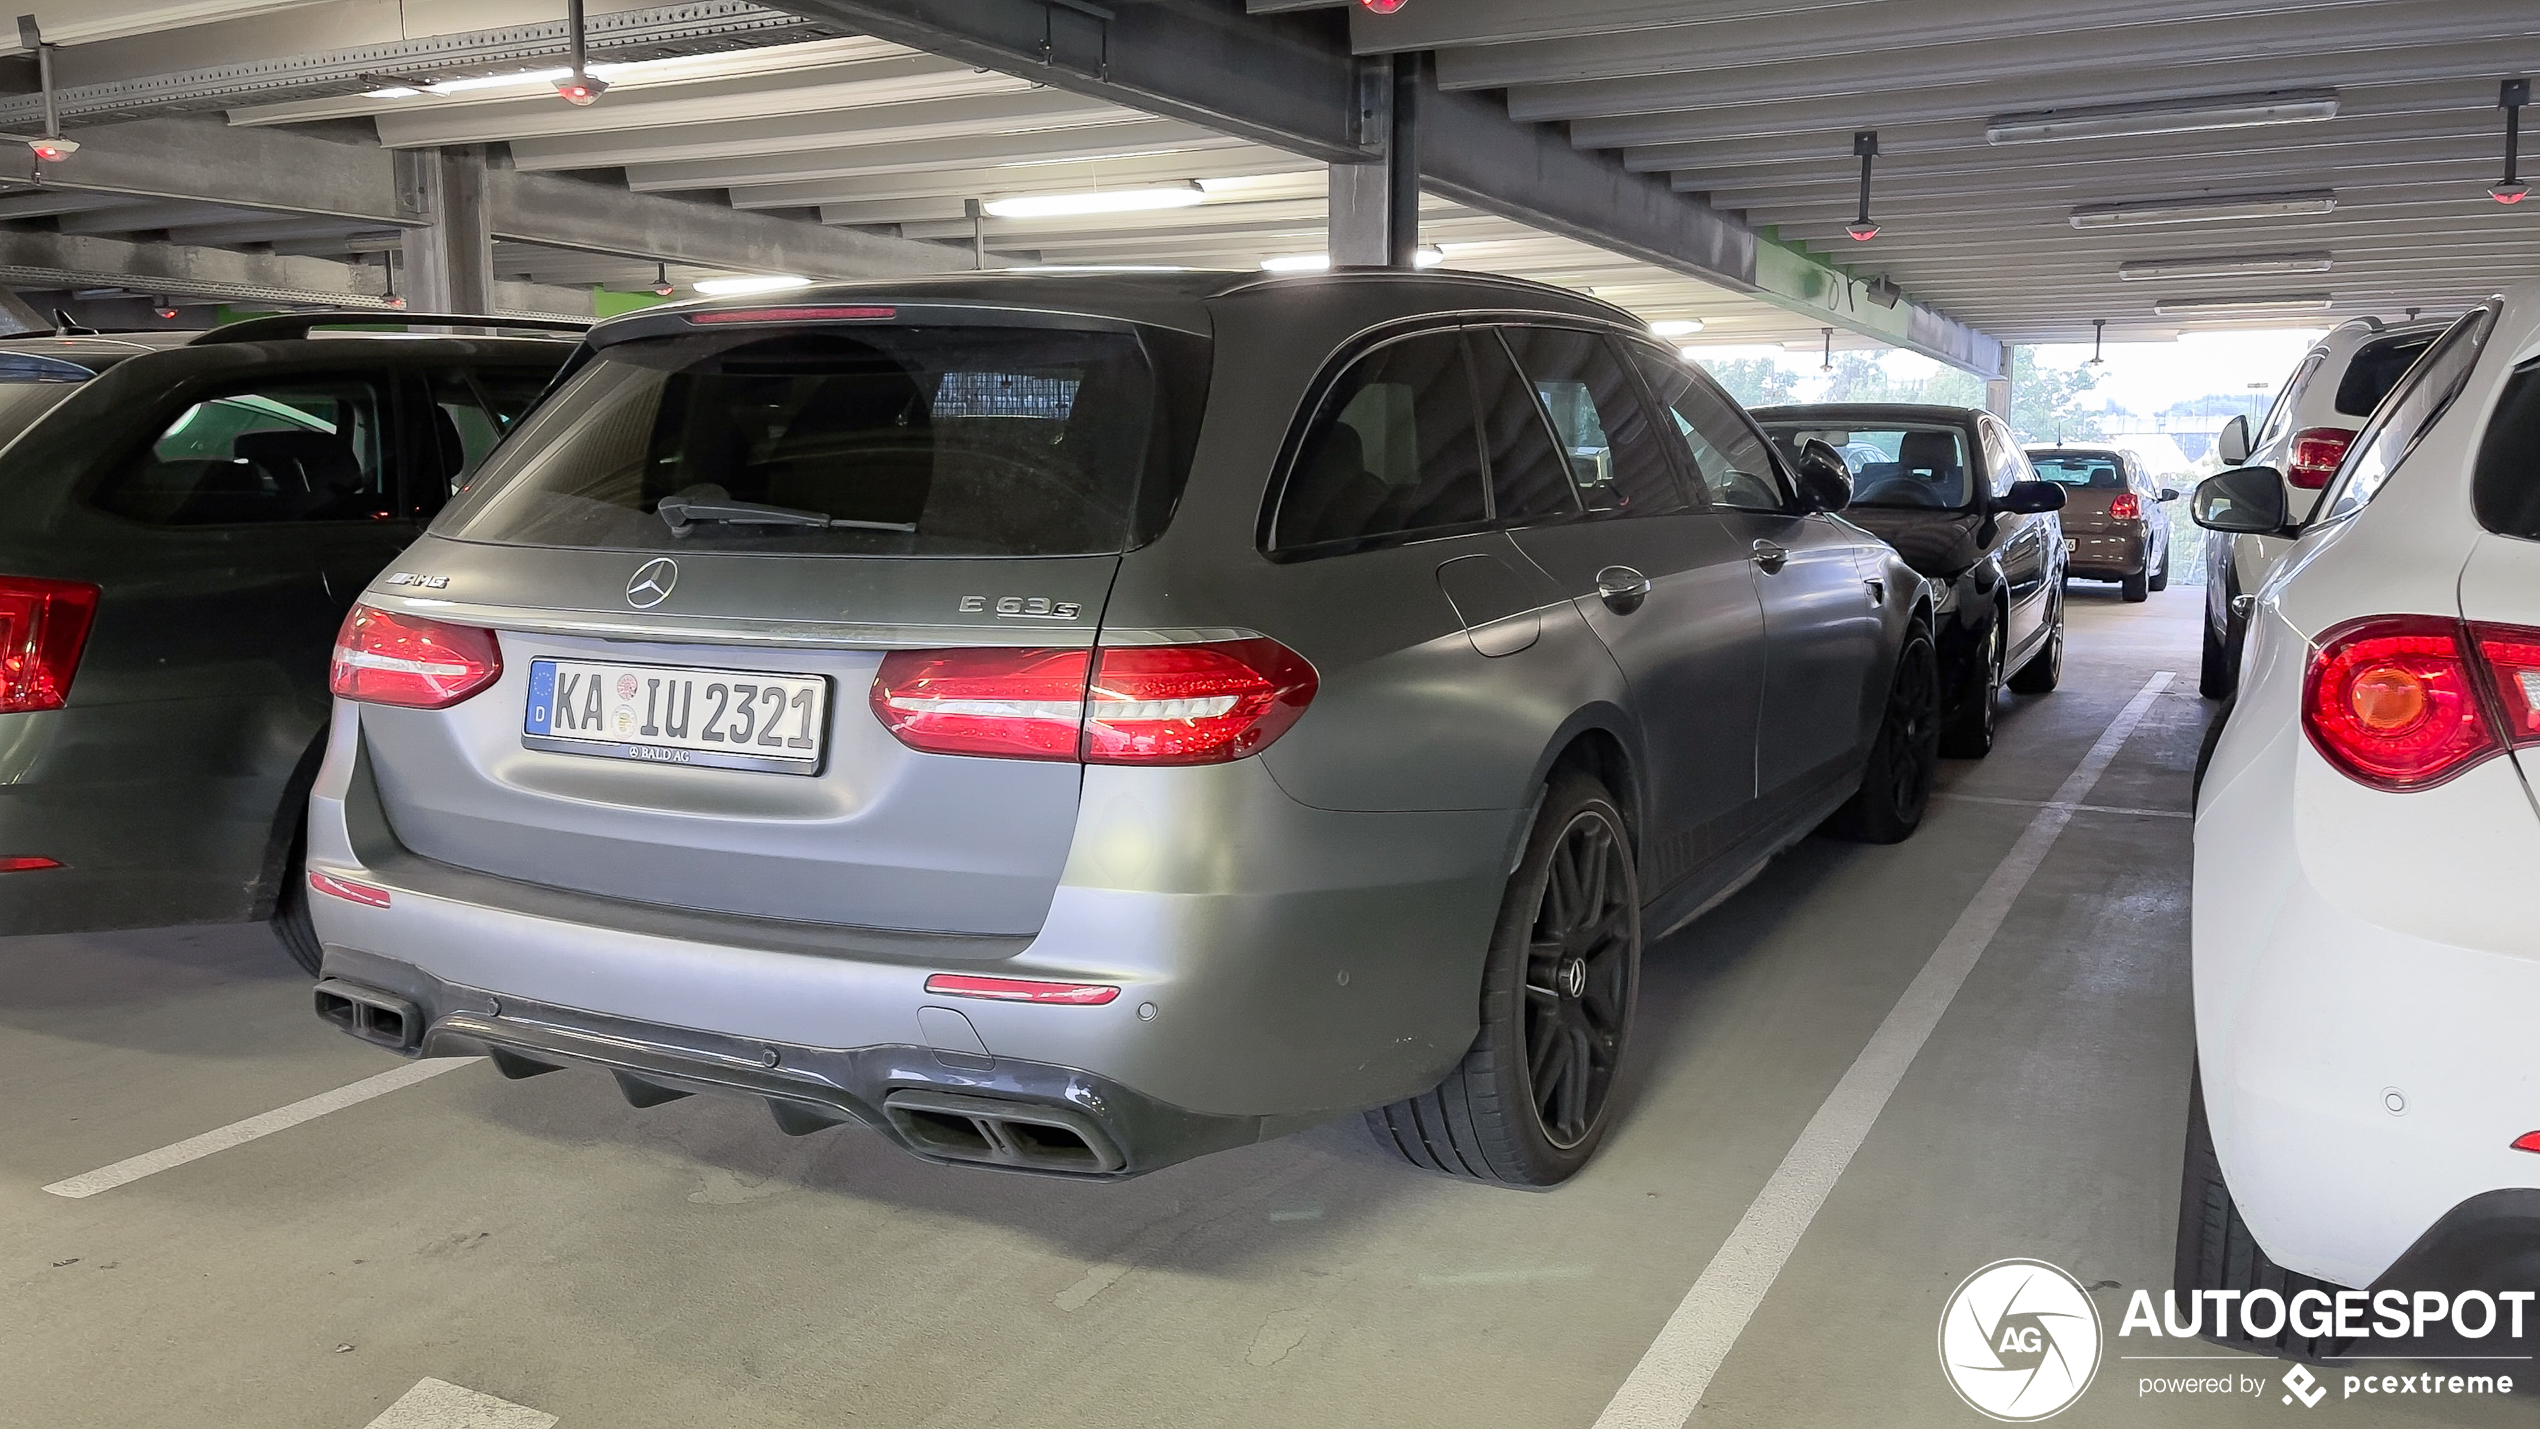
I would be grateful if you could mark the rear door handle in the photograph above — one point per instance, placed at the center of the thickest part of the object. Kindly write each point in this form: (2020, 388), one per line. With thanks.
(1622, 589)
(1771, 557)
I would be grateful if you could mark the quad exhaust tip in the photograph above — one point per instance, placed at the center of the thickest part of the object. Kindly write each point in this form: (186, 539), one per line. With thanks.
(1021, 1135)
(374, 1016)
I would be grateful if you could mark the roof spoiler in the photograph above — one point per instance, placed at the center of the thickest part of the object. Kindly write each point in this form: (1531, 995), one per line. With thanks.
(284, 327)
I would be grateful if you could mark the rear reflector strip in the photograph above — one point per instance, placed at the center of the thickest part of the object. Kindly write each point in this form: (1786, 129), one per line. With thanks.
(347, 890)
(2529, 1141)
(1007, 989)
(25, 863)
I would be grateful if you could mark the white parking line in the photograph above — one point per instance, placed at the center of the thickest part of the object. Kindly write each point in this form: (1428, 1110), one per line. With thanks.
(439, 1404)
(2076, 808)
(238, 1133)
(1666, 1386)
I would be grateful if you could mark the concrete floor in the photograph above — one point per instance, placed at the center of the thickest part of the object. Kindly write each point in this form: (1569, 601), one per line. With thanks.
(688, 1265)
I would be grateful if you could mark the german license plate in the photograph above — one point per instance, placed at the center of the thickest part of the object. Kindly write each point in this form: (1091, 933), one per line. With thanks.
(719, 719)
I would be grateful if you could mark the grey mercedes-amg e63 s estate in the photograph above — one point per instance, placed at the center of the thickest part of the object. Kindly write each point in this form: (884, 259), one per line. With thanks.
(1075, 723)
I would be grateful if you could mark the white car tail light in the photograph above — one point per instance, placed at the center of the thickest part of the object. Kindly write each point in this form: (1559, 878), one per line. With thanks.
(407, 660)
(1133, 704)
(2314, 456)
(2408, 701)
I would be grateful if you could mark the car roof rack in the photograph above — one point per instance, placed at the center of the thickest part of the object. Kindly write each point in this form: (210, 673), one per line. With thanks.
(284, 327)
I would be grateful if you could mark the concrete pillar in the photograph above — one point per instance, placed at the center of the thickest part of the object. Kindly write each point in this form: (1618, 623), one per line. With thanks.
(449, 262)
(1402, 166)
(1997, 390)
(1360, 215)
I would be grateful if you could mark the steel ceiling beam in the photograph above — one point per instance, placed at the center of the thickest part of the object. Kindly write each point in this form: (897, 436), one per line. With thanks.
(976, 181)
(54, 260)
(999, 115)
(840, 161)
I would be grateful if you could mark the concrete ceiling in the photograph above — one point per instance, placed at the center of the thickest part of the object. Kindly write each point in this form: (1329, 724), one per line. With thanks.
(1754, 103)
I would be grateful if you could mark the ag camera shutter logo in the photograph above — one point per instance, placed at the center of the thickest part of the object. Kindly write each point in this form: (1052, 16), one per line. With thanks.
(2020, 1341)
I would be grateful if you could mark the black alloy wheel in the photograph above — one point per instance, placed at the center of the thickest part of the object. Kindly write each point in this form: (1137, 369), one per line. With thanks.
(1534, 1096)
(2045, 669)
(1905, 758)
(1970, 735)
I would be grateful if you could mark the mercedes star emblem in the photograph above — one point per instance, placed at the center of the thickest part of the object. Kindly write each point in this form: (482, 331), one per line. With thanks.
(652, 584)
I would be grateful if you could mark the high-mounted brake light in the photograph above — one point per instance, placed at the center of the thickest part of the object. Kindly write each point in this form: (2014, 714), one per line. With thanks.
(348, 890)
(26, 863)
(1130, 704)
(2125, 506)
(383, 658)
(2405, 702)
(1014, 989)
(794, 315)
(2314, 456)
(43, 627)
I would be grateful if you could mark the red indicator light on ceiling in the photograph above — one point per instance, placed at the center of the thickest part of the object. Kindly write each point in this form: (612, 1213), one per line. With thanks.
(1863, 232)
(1381, 7)
(2508, 193)
(348, 890)
(794, 315)
(1010, 989)
(25, 863)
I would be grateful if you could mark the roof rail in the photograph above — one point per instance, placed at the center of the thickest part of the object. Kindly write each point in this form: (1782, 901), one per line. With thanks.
(283, 327)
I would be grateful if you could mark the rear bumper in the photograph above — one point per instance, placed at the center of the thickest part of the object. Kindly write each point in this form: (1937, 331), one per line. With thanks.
(943, 1106)
(2109, 555)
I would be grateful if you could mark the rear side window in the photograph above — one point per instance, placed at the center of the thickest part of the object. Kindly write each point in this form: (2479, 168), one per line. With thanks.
(2411, 409)
(471, 411)
(2506, 488)
(2280, 416)
(1598, 420)
(1391, 451)
(296, 450)
(875, 440)
(2376, 368)
(1529, 477)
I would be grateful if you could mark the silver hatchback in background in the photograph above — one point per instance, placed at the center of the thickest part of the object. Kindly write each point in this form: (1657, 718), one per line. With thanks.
(1073, 724)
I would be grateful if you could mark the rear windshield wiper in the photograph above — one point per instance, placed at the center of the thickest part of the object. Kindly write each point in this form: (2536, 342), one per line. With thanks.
(708, 502)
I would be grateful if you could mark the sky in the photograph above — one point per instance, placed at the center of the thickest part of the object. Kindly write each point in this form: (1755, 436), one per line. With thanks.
(2140, 376)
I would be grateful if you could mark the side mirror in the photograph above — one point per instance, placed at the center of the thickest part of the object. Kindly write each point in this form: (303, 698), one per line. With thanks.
(2233, 444)
(1825, 483)
(2244, 501)
(2031, 498)
(2169, 493)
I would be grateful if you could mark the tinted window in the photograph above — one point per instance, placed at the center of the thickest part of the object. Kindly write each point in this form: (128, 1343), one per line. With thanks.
(2098, 471)
(1391, 450)
(471, 412)
(1910, 464)
(1722, 451)
(905, 440)
(2404, 417)
(2507, 486)
(1529, 477)
(297, 450)
(1598, 421)
(2376, 368)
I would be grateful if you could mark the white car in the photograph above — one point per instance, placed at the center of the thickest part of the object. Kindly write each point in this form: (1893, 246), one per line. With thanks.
(2331, 393)
(2367, 956)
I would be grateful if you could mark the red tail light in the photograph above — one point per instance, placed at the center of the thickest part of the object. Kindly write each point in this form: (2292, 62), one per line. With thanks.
(43, 628)
(1131, 704)
(387, 659)
(26, 863)
(2314, 456)
(1015, 989)
(2528, 1141)
(2126, 506)
(2408, 701)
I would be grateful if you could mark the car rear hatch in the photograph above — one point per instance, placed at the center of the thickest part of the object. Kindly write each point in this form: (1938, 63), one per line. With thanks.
(2092, 482)
(696, 558)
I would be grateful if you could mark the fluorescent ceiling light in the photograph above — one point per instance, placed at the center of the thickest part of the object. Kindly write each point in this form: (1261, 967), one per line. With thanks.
(2216, 209)
(2219, 265)
(1137, 200)
(1297, 263)
(492, 81)
(1675, 327)
(1427, 255)
(1102, 268)
(2256, 303)
(2165, 116)
(756, 283)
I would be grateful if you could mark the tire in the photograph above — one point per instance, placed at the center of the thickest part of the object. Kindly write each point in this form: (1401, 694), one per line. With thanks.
(291, 923)
(2205, 754)
(2136, 588)
(2215, 679)
(2045, 669)
(1905, 756)
(2161, 578)
(2216, 1251)
(1970, 735)
(1530, 1102)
